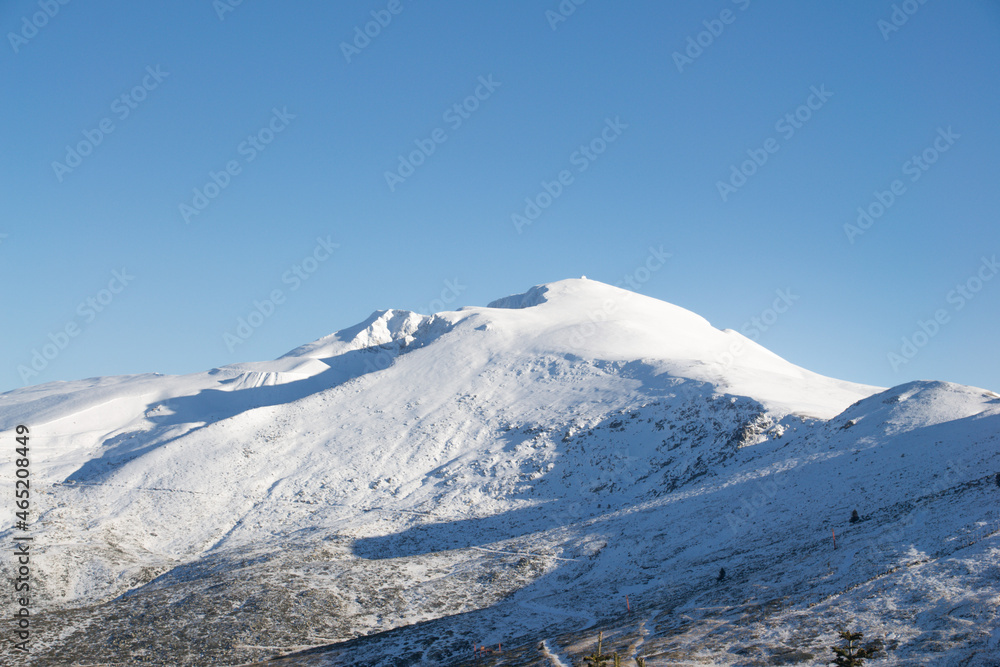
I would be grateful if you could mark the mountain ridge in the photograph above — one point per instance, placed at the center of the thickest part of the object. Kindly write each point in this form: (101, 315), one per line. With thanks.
(449, 469)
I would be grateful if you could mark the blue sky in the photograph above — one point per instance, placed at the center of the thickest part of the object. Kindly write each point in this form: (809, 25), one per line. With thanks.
(116, 113)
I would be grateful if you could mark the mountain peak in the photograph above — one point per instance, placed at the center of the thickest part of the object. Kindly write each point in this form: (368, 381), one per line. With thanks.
(597, 323)
(480, 459)
(582, 292)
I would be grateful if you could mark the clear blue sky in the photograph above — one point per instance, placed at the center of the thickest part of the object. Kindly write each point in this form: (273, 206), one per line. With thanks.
(198, 87)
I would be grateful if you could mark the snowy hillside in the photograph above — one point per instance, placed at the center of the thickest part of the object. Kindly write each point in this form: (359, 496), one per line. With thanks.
(397, 491)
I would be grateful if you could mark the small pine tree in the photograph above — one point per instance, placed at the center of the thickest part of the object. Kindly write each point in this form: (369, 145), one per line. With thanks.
(998, 479)
(597, 658)
(722, 574)
(854, 516)
(850, 655)
(641, 662)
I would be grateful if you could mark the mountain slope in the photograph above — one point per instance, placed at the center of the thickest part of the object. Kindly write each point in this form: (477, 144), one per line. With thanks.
(486, 475)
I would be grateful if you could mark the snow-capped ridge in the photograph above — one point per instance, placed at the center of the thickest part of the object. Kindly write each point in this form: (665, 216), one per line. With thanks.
(919, 403)
(382, 327)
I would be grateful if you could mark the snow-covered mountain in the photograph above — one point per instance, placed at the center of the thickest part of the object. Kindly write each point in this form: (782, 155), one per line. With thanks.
(506, 475)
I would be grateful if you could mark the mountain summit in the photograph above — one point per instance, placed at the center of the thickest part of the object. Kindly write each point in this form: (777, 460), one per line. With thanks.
(404, 488)
(588, 320)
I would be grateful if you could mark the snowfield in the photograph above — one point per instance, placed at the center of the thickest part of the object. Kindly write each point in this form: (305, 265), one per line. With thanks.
(402, 490)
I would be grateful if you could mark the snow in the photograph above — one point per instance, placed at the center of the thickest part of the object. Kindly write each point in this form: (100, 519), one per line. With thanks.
(494, 469)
